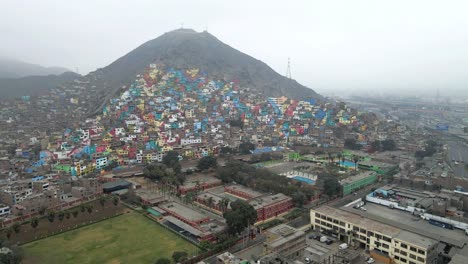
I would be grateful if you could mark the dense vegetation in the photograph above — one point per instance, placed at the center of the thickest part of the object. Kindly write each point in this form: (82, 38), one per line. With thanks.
(430, 149)
(264, 180)
(240, 216)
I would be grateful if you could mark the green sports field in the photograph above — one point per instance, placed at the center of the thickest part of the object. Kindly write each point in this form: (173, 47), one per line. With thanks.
(129, 238)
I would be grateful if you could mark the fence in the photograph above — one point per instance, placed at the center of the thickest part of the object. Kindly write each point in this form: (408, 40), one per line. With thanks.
(59, 207)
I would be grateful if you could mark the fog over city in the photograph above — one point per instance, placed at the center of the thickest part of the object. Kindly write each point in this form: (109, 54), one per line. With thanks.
(334, 46)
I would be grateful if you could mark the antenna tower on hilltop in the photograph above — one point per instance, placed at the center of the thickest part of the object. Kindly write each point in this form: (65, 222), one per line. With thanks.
(288, 70)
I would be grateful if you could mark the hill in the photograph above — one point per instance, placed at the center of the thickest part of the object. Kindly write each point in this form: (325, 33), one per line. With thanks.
(10, 68)
(33, 85)
(186, 48)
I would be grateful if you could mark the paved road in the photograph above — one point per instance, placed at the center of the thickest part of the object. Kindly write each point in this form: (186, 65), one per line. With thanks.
(458, 153)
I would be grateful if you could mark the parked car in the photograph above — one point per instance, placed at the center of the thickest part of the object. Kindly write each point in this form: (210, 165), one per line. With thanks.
(314, 236)
(370, 260)
(329, 241)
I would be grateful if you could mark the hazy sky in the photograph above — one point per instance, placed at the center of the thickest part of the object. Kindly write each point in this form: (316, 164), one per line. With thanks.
(335, 45)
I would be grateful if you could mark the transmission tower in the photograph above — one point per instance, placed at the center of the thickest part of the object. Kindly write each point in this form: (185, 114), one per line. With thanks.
(288, 70)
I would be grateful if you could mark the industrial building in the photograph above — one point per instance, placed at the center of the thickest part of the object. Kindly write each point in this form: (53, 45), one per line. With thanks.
(385, 243)
(285, 241)
(357, 182)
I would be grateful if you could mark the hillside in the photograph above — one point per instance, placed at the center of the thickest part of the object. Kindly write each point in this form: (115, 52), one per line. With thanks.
(33, 85)
(10, 68)
(185, 48)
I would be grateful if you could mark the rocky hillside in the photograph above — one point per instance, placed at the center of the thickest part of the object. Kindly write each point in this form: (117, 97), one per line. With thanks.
(185, 48)
(33, 85)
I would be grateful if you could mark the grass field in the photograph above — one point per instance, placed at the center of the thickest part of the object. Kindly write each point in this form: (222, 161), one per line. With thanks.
(129, 238)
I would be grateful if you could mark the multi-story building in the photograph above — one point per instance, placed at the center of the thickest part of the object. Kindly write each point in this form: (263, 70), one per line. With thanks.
(383, 241)
(284, 240)
(270, 206)
(357, 182)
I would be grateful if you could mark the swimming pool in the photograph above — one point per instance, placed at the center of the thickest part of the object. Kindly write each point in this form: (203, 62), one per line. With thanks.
(348, 164)
(303, 179)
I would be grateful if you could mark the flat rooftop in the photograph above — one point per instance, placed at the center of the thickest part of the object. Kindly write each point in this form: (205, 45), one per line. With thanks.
(361, 175)
(200, 179)
(184, 226)
(370, 224)
(408, 222)
(252, 193)
(208, 195)
(359, 220)
(283, 234)
(183, 211)
(267, 200)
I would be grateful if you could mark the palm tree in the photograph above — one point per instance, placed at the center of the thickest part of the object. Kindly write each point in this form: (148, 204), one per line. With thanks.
(355, 159)
(210, 202)
(339, 155)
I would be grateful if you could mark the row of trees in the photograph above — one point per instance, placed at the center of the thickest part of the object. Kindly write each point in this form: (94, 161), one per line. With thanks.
(61, 215)
(177, 256)
(384, 145)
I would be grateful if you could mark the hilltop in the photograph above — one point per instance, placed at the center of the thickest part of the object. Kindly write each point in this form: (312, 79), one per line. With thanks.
(186, 48)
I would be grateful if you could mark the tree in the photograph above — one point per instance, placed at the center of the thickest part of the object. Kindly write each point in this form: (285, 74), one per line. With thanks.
(299, 198)
(16, 227)
(163, 261)
(210, 202)
(240, 216)
(388, 145)
(226, 150)
(356, 160)
(331, 187)
(115, 200)
(61, 216)
(51, 216)
(171, 160)
(34, 222)
(75, 213)
(102, 200)
(42, 210)
(178, 256)
(207, 162)
(89, 208)
(245, 147)
(9, 231)
(350, 143)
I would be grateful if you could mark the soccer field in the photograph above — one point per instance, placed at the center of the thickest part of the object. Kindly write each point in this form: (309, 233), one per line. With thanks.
(129, 238)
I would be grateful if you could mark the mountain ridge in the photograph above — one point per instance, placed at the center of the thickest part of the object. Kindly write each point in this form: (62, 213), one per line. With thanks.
(12, 68)
(33, 85)
(186, 48)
